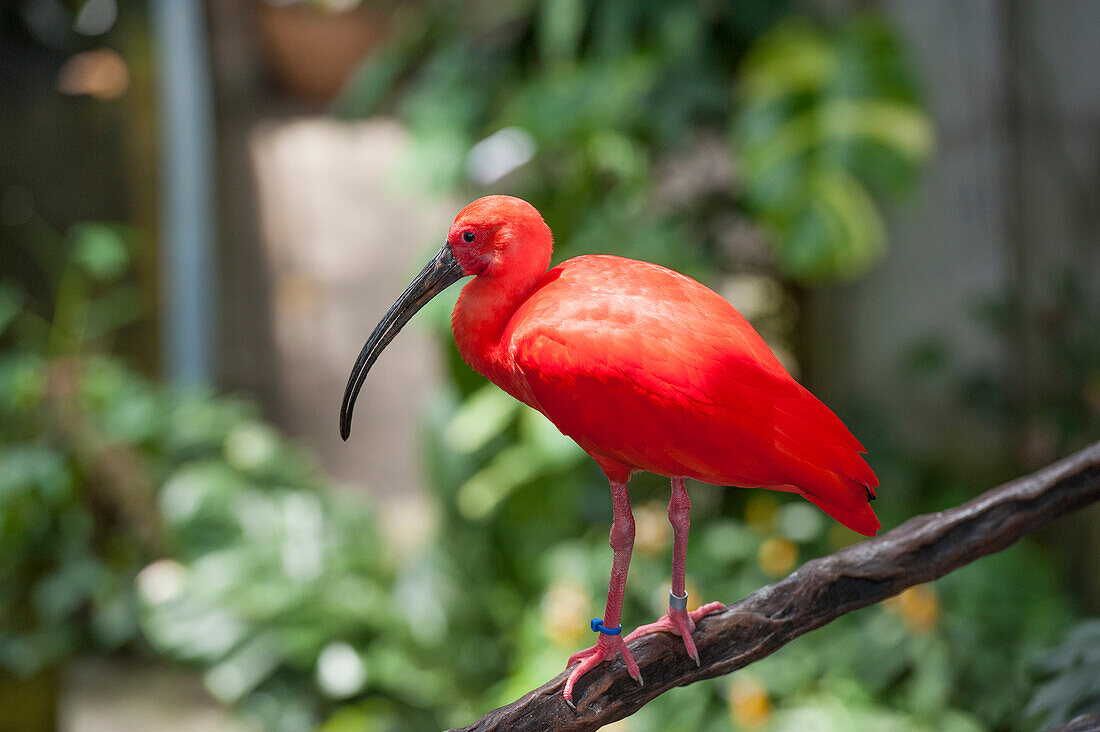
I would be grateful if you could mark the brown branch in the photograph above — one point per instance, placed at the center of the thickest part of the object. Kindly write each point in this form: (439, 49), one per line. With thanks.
(922, 549)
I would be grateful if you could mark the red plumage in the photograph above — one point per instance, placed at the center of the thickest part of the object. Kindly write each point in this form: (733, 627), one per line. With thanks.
(647, 370)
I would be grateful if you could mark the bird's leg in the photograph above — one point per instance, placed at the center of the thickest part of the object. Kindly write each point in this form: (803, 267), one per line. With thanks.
(611, 643)
(679, 620)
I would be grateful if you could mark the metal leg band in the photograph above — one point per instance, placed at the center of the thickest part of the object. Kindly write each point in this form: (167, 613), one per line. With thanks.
(677, 603)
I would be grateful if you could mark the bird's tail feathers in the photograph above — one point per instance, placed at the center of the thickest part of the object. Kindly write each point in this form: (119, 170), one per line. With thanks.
(857, 515)
(826, 462)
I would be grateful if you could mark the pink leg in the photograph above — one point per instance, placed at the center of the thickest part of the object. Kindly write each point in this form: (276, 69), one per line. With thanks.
(622, 543)
(679, 515)
(679, 621)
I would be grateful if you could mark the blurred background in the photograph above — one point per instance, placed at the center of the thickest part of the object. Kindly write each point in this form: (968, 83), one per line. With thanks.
(205, 207)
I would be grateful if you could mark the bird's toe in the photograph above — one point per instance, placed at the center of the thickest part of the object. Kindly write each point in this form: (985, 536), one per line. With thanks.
(679, 622)
(605, 650)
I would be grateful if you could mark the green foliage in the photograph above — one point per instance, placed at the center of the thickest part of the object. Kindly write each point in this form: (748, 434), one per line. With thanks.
(1057, 411)
(1055, 415)
(826, 119)
(1072, 686)
(608, 96)
(58, 591)
(244, 560)
(63, 574)
(282, 594)
(281, 591)
(612, 103)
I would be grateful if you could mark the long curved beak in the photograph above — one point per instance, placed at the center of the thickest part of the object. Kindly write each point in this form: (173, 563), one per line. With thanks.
(443, 271)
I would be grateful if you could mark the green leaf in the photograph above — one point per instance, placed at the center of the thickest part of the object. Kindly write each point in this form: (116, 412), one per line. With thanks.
(11, 304)
(100, 250)
(488, 488)
(33, 469)
(556, 449)
(120, 306)
(827, 123)
(485, 415)
(559, 30)
(835, 234)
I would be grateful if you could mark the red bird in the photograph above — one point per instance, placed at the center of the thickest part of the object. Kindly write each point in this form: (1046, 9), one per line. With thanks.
(646, 369)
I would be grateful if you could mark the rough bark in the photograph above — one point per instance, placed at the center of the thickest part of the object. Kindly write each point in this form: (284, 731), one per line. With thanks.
(920, 550)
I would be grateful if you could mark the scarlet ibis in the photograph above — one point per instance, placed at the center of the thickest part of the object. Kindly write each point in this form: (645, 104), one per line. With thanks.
(646, 369)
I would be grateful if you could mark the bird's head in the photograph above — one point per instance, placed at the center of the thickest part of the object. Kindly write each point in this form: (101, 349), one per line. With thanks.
(494, 236)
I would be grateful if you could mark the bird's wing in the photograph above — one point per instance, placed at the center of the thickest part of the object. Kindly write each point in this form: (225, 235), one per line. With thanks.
(649, 368)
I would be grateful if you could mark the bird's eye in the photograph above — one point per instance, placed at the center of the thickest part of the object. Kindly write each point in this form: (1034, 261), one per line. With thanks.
(468, 237)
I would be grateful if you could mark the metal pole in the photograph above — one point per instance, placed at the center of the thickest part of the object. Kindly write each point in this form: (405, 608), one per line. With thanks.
(187, 191)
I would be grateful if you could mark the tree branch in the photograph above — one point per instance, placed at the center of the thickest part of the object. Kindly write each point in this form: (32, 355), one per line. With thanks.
(920, 550)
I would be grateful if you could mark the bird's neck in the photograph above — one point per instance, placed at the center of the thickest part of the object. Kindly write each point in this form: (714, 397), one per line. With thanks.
(487, 304)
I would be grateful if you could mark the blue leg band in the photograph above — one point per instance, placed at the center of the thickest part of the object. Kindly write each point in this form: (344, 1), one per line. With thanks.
(599, 627)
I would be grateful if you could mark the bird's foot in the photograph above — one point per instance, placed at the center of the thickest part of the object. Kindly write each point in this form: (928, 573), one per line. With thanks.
(606, 648)
(678, 622)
